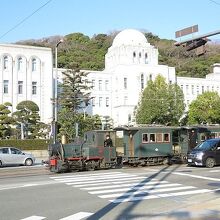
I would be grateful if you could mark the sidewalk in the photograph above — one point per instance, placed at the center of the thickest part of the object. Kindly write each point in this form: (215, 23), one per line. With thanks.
(203, 210)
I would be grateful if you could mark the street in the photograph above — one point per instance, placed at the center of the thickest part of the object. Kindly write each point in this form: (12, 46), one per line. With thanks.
(155, 192)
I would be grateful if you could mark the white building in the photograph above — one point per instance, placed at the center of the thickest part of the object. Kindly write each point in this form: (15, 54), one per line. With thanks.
(26, 74)
(129, 63)
(192, 87)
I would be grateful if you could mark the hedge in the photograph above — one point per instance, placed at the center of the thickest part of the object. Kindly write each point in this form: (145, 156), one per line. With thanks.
(29, 144)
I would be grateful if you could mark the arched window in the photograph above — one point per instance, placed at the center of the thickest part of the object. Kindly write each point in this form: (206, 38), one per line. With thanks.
(145, 57)
(139, 54)
(19, 63)
(142, 81)
(150, 77)
(134, 57)
(129, 117)
(34, 64)
(5, 63)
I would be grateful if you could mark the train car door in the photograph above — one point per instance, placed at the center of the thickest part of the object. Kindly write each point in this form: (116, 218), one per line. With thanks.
(192, 137)
(131, 143)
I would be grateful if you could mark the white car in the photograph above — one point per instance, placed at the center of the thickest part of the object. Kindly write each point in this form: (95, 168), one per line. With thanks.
(14, 156)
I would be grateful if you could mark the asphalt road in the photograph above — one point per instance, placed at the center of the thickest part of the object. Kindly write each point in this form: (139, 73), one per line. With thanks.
(156, 192)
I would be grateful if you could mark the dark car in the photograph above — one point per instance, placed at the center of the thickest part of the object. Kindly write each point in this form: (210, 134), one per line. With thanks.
(206, 154)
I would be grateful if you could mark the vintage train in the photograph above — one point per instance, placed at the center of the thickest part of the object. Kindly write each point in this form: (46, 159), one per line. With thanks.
(140, 145)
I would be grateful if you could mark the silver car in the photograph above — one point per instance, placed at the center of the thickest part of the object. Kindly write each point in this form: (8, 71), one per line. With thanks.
(14, 156)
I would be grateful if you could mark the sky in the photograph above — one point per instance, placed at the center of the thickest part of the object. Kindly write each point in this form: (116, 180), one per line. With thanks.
(36, 19)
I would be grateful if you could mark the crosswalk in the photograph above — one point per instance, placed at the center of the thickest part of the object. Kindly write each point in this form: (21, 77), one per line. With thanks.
(76, 216)
(120, 187)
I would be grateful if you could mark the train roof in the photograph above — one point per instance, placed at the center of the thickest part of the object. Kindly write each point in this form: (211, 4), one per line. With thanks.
(140, 127)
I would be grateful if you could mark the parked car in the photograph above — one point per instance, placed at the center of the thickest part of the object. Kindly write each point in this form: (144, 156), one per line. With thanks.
(14, 156)
(206, 154)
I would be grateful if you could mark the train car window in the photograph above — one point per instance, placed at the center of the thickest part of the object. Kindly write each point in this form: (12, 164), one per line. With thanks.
(152, 138)
(159, 137)
(93, 138)
(213, 135)
(144, 138)
(166, 137)
(203, 137)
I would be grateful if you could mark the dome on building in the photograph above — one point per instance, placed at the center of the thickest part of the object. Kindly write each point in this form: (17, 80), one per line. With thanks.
(130, 37)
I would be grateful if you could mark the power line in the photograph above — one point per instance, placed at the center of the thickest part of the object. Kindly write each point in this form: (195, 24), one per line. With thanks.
(26, 18)
(217, 3)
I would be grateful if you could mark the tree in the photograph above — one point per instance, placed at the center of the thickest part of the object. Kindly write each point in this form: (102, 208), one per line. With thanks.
(160, 103)
(6, 121)
(205, 109)
(74, 90)
(28, 119)
(73, 98)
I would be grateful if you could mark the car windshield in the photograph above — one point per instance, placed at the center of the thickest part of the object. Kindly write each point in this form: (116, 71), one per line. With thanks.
(206, 145)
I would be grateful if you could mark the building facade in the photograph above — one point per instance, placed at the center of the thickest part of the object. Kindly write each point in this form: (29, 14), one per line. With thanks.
(26, 73)
(129, 63)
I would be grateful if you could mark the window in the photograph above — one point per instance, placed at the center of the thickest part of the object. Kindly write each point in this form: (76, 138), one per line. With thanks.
(139, 54)
(197, 90)
(93, 101)
(19, 63)
(142, 81)
(134, 54)
(5, 86)
(150, 77)
(187, 89)
(125, 100)
(166, 137)
(106, 85)
(129, 117)
(20, 87)
(152, 138)
(192, 87)
(159, 137)
(93, 83)
(203, 90)
(15, 151)
(144, 138)
(34, 64)
(125, 83)
(34, 88)
(5, 64)
(181, 87)
(4, 150)
(107, 102)
(145, 56)
(100, 101)
(100, 85)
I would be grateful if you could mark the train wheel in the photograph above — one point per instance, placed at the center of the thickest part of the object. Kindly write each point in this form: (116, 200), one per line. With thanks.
(90, 166)
(210, 162)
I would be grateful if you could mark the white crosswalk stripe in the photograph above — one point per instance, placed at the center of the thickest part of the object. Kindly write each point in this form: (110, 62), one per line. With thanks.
(123, 187)
(34, 217)
(76, 216)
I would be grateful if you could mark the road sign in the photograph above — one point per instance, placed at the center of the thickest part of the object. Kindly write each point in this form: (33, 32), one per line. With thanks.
(186, 31)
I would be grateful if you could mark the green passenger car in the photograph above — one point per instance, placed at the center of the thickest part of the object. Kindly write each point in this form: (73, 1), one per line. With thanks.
(148, 144)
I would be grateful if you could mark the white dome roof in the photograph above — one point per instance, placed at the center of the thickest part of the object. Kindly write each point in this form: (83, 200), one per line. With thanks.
(130, 37)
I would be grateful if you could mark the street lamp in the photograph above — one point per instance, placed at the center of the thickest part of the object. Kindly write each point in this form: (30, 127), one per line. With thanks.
(56, 94)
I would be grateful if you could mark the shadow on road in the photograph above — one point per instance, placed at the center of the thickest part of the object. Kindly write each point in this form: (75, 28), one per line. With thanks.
(127, 214)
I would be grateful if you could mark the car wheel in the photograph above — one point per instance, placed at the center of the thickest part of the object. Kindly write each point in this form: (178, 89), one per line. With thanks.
(28, 162)
(210, 162)
(1, 164)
